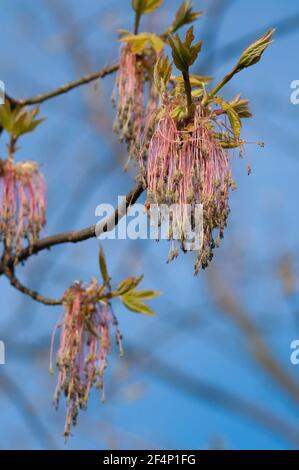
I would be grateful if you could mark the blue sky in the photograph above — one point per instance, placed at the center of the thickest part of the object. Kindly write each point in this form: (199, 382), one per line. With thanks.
(45, 46)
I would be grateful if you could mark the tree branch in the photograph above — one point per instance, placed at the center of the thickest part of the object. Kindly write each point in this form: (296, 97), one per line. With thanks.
(31, 293)
(75, 236)
(68, 86)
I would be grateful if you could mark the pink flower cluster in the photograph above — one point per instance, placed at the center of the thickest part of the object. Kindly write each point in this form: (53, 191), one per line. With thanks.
(84, 347)
(23, 203)
(135, 72)
(187, 165)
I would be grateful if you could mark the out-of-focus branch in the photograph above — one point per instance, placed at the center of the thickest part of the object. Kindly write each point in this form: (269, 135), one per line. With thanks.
(228, 304)
(200, 389)
(16, 395)
(68, 86)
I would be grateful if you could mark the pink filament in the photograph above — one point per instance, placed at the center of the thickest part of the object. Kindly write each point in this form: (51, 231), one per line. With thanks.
(84, 347)
(23, 203)
(132, 94)
(188, 166)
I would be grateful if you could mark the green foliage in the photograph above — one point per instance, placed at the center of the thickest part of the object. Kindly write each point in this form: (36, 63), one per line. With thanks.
(184, 53)
(143, 7)
(18, 121)
(125, 291)
(241, 107)
(103, 267)
(128, 284)
(233, 117)
(196, 82)
(139, 42)
(227, 142)
(254, 52)
(185, 15)
(236, 110)
(162, 74)
(132, 300)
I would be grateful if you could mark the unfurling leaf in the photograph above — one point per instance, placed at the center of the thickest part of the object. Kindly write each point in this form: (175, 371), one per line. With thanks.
(143, 7)
(103, 267)
(232, 115)
(6, 116)
(184, 16)
(133, 303)
(180, 112)
(254, 52)
(196, 81)
(140, 41)
(183, 53)
(227, 142)
(145, 294)
(235, 121)
(162, 74)
(19, 120)
(128, 284)
(123, 32)
(241, 107)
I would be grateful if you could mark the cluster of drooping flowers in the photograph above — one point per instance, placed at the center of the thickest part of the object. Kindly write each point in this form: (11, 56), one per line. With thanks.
(185, 147)
(135, 93)
(188, 166)
(84, 346)
(23, 203)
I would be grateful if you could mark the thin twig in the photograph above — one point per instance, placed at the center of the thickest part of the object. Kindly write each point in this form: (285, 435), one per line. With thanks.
(80, 235)
(7, 267)
(68, 86)
(31, 293)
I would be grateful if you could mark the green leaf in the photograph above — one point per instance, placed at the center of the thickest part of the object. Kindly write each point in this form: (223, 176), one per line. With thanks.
(184, 16)
(151, 5)
(143, 7)
(128, 284)
(140, 41)
(156, 42)
(162, 74)
(179, 112)
(6, 116)
(183, 53)
(227, 142)
(19, 121)
(235, 122)
(123, 32)
(254, 52)
(196, 81)
(232, 115)
(103, 267)
(241, 107)
(145, 294)
(135, 305)
(178, 53)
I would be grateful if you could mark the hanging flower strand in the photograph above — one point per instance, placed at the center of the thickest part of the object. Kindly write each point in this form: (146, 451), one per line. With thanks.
(84, 347)
(23, 195)
(135, 94)
(135, 90)
(188, 159)
(85, 338)
(23, 203)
